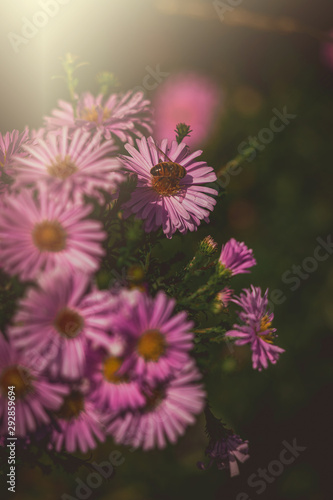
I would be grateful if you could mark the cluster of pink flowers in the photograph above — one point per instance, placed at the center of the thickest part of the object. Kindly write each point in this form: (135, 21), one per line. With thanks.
(257, 328)
(102, 363)
(89, 363)
(237, 258)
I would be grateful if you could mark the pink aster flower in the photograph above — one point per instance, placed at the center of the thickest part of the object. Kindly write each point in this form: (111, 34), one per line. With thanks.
(159, 341)
(36, 134)
(237, 257)
(35, 395)
(187, 98)
(58, 320)
(80, 424)
(208, 246)
(112, 391)
(123, 116)
(39, 235)
(257, 330)
(11, 145)
(226, 451)
(124, 300)
(224, 296)
(74, 165)
(170, 407)
(171, 195)
(224, 447)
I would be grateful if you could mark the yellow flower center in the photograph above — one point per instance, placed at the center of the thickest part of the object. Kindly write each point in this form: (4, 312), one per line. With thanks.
(19, 378)
(151, 345)
(49, 236)
(62, 167)
(265, 325)
(91, 114)
(72, 406)
(110, 367)
(68, 323)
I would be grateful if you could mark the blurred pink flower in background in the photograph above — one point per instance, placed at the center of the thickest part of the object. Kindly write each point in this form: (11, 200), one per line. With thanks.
(189, 98)
(327, 52)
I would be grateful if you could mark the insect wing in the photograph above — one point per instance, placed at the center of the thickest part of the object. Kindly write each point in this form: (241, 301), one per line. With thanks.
(166, 156)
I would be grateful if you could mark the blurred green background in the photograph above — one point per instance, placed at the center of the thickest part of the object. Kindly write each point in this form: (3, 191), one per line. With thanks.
(279, 204)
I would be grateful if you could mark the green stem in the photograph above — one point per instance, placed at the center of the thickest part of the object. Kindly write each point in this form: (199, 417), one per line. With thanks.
(235, 162)
(147, 262)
